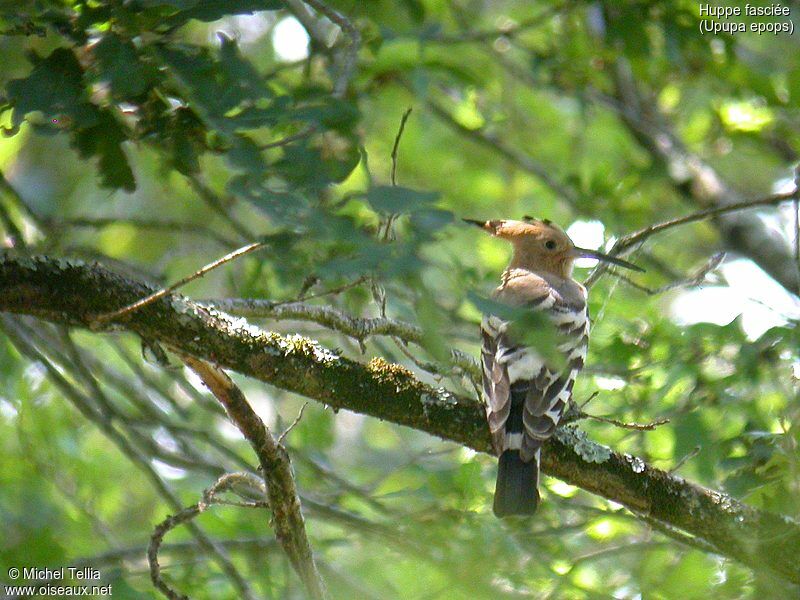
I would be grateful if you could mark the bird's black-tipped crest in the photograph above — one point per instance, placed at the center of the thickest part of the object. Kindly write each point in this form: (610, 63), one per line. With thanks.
(528, 219)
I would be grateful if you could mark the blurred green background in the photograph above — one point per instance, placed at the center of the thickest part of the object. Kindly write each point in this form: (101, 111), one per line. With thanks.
(157, 135)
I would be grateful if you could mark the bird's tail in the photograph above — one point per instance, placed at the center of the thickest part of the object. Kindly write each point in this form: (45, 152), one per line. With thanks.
(516, 492)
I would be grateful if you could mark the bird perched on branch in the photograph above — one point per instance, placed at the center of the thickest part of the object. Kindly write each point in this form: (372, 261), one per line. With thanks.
(525, 389)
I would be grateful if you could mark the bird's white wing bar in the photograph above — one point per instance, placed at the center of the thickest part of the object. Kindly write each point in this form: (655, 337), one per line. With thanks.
(514, 371)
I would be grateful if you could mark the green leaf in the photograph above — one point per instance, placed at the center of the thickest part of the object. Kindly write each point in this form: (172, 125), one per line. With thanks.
(397, 199)
(55, 88)
(104, 141)
(211, 10)
(120, 66)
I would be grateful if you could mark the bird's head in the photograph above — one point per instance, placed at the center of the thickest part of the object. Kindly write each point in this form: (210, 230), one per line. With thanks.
(542, 247)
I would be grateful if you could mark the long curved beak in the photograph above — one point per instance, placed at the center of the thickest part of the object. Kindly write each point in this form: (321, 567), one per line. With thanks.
(584, 253)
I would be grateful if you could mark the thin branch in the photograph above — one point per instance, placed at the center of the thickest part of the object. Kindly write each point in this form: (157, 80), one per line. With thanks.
(400, 130)
(14, 233)
(697, 279)
(289, 138)
(360, 329)
(517, 158)
(686, 458)
(5, 186)
(331, 292)
(638, 237)
(277, 472)
(155, 224)
(327, 316)
(392, 216)
(104, 318)
(312, 25)
(575, 412)
(679, 536)
(294, 423)
(348, 56)
(603, 553)
(509, 30)
(135, 552)
(185, 515)
(641, 235)
(171, 522)
(218, 205)
(625, 425)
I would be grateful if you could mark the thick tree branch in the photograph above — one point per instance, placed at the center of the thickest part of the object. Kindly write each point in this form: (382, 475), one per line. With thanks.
(73, 293)
(290, 528)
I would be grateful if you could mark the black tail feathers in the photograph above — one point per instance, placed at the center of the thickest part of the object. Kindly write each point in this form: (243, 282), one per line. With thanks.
(516, 492)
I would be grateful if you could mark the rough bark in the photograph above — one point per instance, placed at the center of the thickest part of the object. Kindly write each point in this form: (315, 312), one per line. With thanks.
(74, 293)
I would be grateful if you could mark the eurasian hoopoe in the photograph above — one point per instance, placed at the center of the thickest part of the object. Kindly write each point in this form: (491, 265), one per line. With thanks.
(525, 396)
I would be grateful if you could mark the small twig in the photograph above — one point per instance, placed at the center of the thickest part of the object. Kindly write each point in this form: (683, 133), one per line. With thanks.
(638, 237)
(589, 399)
(635, 426)
(348, 57)
(403, 120)
(695, 280)
(513, 155)
(224, 483)
(393, 176)
(171, 522)
(330, 292)
(218, 205)
(310, 130)
(511, 30)
(313, 26)
(689, 456)
(641, 235)
(431, 368)
(299, 416)
(167, 225)
(327, 316)
(104, 318)
(5, 186)
(15, 234)
(379, 292)
(360, 329)
(679, 536)
(574, 412)
(603, 553)
(309, 282)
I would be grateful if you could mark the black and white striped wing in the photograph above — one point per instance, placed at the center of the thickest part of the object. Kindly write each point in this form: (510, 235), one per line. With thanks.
(525, 398)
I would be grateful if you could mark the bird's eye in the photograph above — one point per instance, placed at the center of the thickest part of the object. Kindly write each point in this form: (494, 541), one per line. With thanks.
(550, 244)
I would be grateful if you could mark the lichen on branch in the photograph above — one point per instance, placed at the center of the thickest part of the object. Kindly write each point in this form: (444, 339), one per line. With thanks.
(73, 293)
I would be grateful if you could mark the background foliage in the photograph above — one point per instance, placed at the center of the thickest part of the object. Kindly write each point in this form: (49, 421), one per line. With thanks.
(157, 135)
